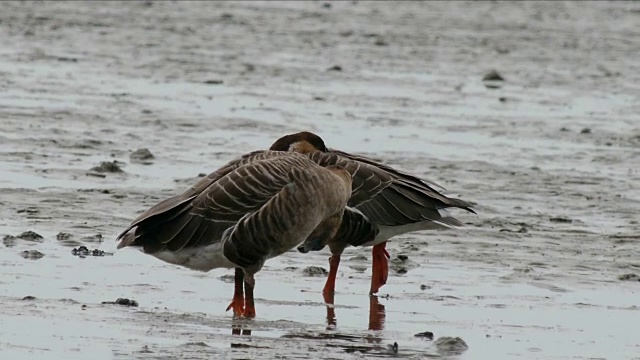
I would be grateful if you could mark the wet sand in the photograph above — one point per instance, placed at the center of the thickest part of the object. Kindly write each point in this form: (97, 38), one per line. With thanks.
(546, 270)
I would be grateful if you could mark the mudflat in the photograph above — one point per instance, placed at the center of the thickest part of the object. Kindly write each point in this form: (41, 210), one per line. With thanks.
(548, 146)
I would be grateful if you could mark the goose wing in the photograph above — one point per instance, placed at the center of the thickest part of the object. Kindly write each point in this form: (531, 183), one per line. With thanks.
(202, 217)
(407, 199)
(173, 203)
(367, 180)
(311, 202)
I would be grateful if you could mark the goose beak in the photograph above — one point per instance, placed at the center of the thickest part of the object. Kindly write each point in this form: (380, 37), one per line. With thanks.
(315, 244)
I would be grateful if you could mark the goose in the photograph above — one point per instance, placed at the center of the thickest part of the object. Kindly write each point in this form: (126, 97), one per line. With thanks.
(254, 208)
(401, 203)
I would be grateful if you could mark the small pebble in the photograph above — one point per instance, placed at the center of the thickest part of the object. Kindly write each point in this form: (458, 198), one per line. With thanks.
(426, 335)
(83, 251)
(123, 302)
(380, 42)
(30, 235)
(107, 167)
(335, 68)
(629, 277)
(63, 236)
(141, 155)
(493, 75)
(585, 131)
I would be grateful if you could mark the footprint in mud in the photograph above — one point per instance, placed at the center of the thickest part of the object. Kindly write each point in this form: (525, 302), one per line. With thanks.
(401, 264)
(361, 263)
(448, 345)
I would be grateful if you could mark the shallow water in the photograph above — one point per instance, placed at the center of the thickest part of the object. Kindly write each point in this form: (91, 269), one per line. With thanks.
(550, 158)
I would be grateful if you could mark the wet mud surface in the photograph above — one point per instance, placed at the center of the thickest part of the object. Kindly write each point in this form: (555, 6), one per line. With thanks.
(107, 108)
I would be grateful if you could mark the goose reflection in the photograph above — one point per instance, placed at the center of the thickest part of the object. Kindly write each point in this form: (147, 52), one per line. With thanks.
(377, 312)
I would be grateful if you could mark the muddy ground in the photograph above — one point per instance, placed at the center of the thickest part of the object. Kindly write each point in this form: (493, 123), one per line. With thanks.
(548, 269)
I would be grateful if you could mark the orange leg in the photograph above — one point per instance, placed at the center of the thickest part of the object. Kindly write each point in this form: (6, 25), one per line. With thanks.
(237, 304)
(330, 285)
(331, 312)
(376, 314)
(249, 305)
(380, 267)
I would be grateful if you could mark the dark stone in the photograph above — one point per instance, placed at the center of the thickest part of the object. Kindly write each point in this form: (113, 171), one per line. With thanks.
(63, 236)
(629, 277)
(30, 235)
(380, 42)
(561, 220)
(107, 167)
(83, 251)
(393, 348)
(493, 75)
(123, 302)
(141, 155)
(425, 335)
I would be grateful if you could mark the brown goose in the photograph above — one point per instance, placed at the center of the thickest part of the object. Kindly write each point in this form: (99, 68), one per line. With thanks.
(252, 209)
(400, 203)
